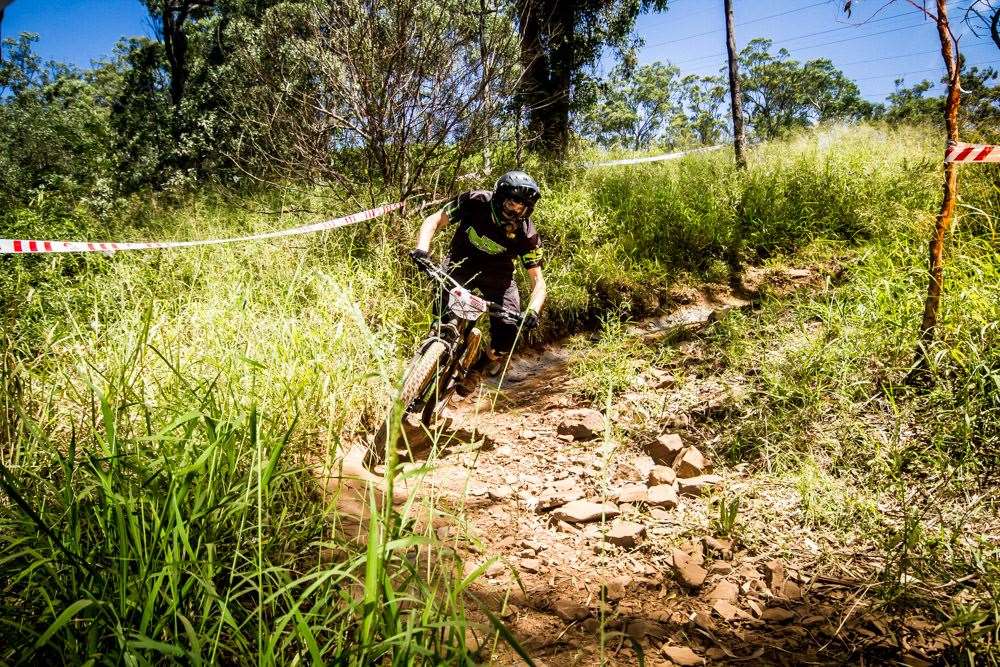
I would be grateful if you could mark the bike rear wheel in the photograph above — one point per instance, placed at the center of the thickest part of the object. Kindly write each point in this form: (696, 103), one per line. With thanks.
(416, 380)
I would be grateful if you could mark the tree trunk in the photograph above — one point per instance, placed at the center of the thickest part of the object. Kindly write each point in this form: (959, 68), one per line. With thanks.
(735, 90)
(735, 248)
(175, 46)
(556, 140)
(545, 84)
(944, 219)
(487, 100)
(534, 80)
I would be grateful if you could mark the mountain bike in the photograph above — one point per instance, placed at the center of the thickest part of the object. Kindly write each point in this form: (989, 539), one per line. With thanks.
(444, 358)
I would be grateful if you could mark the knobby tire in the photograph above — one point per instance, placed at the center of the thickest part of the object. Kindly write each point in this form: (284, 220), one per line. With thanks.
(418, 378)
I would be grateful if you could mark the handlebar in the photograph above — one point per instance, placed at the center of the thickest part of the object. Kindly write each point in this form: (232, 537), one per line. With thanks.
(438, 274)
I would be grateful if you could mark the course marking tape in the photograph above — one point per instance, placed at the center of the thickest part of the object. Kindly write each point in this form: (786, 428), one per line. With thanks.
(28, 246)
(654, 158)
(962, 152)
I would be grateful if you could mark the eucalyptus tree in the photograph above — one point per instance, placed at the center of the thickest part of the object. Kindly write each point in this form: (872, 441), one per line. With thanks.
(781, 94)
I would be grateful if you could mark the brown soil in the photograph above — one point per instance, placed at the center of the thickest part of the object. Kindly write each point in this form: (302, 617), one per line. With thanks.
(501, 471)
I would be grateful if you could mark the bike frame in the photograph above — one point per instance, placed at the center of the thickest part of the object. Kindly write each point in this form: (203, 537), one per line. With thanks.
(466, 310)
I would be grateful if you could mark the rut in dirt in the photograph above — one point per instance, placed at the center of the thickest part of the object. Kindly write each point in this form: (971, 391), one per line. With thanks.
(589, 528)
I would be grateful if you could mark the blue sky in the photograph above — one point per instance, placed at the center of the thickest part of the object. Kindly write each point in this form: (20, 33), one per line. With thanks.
(77, 31)
(878, 44)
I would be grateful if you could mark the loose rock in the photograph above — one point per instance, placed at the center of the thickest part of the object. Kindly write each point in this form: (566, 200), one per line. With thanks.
(720, 567)
(662, 495)
(696, 486)
(791, 591)
(688, 572)
(633, 493)
(775, 576)
(662, 379)
(725, 609)
(724, 590)
(556, 498)
(569, 611)
(722, 548)
(777, 615)
(642, 465)
(661, 475)
(532, 565)
(626, 533)
(690, 463)
(583, 511)
(682, 655)
(665, 448)
(501, 492)
(615, 589)
(582, 424)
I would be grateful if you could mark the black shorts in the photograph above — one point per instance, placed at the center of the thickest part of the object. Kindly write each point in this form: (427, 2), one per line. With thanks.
(499, 288)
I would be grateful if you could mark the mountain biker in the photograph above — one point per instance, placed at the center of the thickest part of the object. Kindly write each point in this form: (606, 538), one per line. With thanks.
(494, 229)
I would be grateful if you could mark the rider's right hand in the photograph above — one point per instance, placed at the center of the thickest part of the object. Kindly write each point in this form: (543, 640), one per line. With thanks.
(421, 258)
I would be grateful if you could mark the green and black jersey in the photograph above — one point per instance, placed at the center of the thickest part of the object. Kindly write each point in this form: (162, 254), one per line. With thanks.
(485, 243)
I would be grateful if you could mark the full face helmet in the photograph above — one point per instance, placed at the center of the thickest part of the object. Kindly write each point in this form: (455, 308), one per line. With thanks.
(514, 196)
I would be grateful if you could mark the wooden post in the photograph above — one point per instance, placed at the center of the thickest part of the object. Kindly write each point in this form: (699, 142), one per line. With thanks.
(947, 213)
(735, 90)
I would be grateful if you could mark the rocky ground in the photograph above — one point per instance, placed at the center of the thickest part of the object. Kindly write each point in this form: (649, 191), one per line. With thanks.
(600, 530)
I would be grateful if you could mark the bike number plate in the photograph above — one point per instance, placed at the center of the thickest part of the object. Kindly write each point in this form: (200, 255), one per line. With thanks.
(466, 305)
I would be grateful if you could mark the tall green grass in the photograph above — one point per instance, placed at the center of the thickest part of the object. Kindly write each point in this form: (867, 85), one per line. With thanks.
(831, 406)
(161, 411)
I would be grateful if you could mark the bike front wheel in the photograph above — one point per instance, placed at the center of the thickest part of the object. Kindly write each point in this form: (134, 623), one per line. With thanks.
(418, 377)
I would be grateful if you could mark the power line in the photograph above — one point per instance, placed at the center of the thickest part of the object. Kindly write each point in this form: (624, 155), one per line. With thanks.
(821, 44)
(763, 18)
(921, 71)
(814, 34)
(872, 60)
(868, 21)
(804, 36)
(915, 53)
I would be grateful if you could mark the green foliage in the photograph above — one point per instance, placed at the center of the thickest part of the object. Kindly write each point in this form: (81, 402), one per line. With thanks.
(558, 42)
(194, 537)
(644, 107)
(607, 364)
(909, 105)
(53, 130)
(195, 384)
(978, 111)
(780, 94)
(635, 108)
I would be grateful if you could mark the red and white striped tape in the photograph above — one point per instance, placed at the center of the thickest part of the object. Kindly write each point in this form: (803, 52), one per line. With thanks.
(28, 246)
(960, 152)
(654, 158)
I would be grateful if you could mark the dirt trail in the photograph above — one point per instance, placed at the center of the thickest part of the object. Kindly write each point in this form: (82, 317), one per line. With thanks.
(605, 545)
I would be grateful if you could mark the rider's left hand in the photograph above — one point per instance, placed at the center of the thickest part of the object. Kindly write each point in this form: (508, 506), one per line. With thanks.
(529, 320)
(421, 258)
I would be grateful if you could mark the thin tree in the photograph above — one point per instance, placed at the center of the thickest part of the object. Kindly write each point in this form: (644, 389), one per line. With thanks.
(735, 92)
(946, 214)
